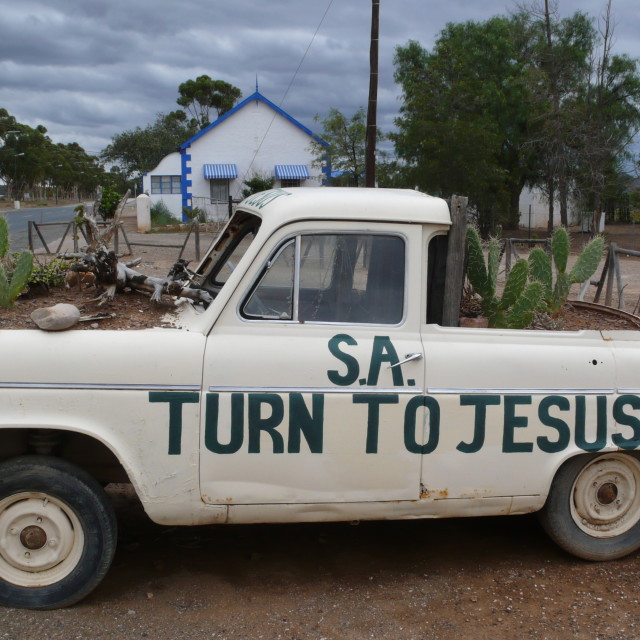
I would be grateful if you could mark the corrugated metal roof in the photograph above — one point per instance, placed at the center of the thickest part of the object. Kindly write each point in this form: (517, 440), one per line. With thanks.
(220, 171)
(292, 172)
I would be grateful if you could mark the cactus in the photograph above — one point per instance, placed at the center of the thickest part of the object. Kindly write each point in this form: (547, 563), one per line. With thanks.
(20, 268)
(519, 299)
(541, 269)
(4, 237)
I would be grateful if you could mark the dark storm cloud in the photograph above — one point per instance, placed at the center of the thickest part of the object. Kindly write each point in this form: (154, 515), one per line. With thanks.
(88, 69)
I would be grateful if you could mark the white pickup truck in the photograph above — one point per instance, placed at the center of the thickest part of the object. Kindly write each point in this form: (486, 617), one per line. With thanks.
(318, 385)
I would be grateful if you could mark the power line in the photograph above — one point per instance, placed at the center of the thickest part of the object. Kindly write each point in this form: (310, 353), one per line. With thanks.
(293, 78)
(315, 33)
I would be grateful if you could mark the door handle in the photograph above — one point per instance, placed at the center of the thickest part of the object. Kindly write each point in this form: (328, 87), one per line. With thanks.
(407, 358)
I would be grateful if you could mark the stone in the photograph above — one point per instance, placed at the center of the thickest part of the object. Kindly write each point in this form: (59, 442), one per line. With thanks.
(56, 318)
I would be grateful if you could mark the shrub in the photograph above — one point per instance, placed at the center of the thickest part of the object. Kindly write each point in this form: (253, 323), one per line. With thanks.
(51, 274)
(256, 184)
(161, 216)
(195, 214)
(108, 203)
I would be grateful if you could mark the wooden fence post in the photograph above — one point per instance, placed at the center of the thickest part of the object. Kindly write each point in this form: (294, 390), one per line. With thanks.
(616, 265)
(608, 296)
(454, 276)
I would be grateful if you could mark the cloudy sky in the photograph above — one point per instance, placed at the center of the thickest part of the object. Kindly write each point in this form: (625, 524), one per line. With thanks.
(88, 69)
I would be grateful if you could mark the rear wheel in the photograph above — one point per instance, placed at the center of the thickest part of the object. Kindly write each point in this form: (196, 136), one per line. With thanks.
(57, 533)
(593, 509)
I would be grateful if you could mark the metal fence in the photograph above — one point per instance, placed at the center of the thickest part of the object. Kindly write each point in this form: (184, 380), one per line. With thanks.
(35, 231)
(215, 212)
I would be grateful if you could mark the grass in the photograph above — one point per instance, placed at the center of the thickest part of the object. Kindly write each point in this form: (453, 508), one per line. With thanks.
(161, 216)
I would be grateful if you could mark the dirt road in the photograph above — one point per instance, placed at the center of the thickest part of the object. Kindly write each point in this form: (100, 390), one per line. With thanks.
(488, 578)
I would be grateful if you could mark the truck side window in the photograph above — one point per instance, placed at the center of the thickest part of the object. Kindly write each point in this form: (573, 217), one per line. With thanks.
(272, 299)
(337, 278)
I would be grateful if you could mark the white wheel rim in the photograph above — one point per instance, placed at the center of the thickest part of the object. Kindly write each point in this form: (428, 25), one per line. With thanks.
(41, 539)
(605, 499)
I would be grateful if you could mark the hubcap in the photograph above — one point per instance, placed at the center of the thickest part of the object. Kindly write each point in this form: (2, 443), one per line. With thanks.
(607, 493)
(41, 539)
(606, 496)
(33, 537)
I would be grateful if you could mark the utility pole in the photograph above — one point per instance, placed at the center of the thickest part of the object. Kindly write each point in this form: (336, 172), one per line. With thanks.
(370, 153)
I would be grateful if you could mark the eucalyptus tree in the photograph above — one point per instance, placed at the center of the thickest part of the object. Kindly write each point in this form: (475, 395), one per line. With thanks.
(139, 150)
(203, 95)
(31, 163)
(346, 137)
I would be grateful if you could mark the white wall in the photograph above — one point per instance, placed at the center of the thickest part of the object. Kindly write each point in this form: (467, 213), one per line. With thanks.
(255, 138)
(168, 166)
(533, 200)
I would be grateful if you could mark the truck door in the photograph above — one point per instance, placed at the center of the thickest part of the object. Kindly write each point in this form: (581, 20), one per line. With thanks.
(311, 368)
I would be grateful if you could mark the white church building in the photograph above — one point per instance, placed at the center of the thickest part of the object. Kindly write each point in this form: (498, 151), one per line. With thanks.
(255, 138)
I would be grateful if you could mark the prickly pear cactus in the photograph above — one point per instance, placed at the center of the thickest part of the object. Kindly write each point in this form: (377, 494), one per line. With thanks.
(521, 314)
(476, 268)
(560, 247)
(541, 268)
(587, 261)
(4, 237)
(519, 299)
(21, 268)
(515, 284)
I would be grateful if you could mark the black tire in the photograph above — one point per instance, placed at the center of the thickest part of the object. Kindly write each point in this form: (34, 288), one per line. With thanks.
(593, 508)
(57, 533)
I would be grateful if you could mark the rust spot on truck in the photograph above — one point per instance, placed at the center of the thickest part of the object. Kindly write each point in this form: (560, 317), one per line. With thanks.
(434, 494)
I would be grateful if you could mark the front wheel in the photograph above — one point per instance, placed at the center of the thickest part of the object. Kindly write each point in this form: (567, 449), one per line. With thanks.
(57, 533)
(593, 508)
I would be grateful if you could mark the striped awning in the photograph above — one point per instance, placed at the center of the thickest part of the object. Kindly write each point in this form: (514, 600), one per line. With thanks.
(292, 172)
(220, 171)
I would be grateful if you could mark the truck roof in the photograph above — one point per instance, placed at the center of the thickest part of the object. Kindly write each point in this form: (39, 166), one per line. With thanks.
(279, 206)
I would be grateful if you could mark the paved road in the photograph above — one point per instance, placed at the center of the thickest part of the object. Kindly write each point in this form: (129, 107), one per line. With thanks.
(18, 219)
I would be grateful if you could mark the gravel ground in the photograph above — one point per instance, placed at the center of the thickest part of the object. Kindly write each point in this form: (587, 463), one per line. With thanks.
(485, 578)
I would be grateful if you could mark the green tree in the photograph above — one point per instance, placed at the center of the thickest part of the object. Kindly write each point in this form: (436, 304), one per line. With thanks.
(560, 52)
(606, 119)
(467, 116)
(526, 100)
(346, 138)
(200, 96)
(31, 163)
(140, 150)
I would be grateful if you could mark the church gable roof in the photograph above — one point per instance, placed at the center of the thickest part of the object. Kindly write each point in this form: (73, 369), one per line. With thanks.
(258, 97)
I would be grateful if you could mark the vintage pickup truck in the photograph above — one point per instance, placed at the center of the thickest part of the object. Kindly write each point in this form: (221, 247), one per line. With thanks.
(317, 385)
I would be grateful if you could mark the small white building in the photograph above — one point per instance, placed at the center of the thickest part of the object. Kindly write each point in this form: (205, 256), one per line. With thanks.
(534, 209)
(534, 212)
(255, 138)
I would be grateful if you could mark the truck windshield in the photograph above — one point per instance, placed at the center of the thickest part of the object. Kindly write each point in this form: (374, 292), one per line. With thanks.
(226, 251)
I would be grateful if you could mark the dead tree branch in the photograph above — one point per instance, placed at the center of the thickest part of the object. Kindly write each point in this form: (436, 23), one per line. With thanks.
(112, 276)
